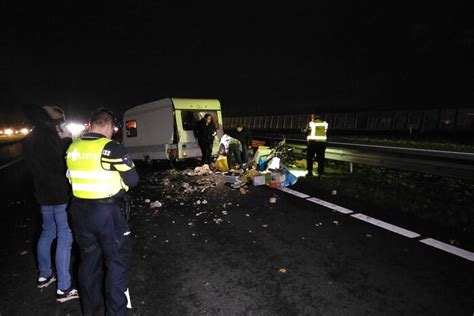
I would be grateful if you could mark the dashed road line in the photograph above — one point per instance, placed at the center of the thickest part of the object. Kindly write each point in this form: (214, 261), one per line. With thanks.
(449, 248)
(468, 255)
(295, 193)
(335, 207)
(387, 226)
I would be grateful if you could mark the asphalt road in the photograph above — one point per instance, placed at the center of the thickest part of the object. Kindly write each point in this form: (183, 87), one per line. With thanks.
(248, 256)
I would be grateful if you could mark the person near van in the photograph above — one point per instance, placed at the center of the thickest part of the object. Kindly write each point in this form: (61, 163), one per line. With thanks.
(232, 148)
(245, 138)
(44, 151)
(205, 131)
(101, 171)
(316, 131)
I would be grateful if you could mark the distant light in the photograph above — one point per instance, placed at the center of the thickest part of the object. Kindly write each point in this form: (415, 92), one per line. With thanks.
(75, 128)
(24, 131)
(1, 132)
(16, 132)
(115, 128)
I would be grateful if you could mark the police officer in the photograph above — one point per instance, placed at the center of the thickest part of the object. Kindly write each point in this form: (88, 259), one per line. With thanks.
(100, 172)
(316, 130)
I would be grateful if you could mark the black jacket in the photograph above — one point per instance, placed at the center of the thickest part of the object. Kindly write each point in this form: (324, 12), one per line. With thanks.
(244, 136)
(44, 153)
(204, 133)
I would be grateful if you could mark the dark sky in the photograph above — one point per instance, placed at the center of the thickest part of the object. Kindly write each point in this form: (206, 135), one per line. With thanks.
(334, 56)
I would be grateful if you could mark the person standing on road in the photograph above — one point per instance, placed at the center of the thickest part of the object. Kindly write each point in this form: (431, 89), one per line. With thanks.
(243, 135)
(44, 151)
(100, 172)
(205, 131)
(316, 131)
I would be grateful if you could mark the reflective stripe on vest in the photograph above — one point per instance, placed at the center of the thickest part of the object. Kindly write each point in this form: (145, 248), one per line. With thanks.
(88, 178)
(318, 131)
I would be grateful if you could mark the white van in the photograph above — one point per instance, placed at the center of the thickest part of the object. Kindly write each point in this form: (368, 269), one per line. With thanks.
(163, 129)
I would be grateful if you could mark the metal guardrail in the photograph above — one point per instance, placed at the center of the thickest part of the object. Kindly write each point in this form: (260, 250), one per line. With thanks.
(435, 162)
(11, 163)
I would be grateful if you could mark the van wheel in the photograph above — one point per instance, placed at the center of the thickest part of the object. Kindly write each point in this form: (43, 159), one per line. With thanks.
(148, 161)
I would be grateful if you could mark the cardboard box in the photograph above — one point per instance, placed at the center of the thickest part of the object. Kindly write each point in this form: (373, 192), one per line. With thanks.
(262, 179)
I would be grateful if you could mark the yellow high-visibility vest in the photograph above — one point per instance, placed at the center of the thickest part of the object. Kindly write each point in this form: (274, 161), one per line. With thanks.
(318, 131)
(88, 178)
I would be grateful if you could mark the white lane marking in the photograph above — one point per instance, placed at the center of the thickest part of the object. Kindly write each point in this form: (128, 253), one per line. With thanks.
(428, 241)
(295, 193)
(448, 248)
(331, 206)
(387, 226)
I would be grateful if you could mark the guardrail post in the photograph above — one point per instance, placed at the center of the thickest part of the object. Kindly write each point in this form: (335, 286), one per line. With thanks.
(351, 167)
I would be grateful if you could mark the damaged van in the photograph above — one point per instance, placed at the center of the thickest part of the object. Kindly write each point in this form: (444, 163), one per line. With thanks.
(164, 129)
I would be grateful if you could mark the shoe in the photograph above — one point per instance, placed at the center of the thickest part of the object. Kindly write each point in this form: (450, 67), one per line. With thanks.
(44, 282)
(64, 296)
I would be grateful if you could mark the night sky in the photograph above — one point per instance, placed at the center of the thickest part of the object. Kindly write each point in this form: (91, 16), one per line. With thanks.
(288, 58)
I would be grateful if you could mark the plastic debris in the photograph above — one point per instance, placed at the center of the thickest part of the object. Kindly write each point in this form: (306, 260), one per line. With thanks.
(334, 192)
(147, 201)
(283, 270)
(155, 204)
(204, 202)
(24, 252)
(224, 212)
(272, 200)
(217, 220)
(336, 222)
(264, 225)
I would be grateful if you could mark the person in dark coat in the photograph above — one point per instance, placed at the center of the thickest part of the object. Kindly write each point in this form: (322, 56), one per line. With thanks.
(245, 137)
(205, 131)
(44, 151)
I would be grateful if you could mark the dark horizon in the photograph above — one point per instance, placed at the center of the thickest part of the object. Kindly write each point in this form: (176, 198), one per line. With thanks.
(255, 60)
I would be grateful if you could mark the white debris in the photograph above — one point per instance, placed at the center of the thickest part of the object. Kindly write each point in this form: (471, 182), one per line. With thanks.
(336, 222)
(147, 201)
(155, 204)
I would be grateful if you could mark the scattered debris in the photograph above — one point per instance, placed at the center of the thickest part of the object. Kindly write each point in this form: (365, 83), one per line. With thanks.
(217, 220)
(243, 191)
(283, 270)
(204, 202)
(272, 200)
(334, 192)
(454, 242)
(336, 222)
(147, 201)
(264, 225)
(24, 252)
(369, 235)
(224, 212)
(203, 170)
(155, 204)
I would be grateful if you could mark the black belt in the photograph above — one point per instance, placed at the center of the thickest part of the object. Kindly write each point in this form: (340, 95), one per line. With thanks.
(114, 201)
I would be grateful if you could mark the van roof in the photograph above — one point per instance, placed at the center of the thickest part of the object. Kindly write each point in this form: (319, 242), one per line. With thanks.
(177, 104)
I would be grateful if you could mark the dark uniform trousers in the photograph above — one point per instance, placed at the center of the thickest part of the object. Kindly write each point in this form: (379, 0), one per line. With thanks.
(318, 148)
(102, 232)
